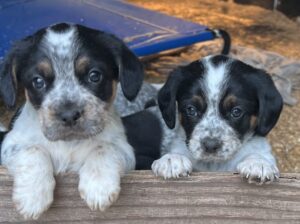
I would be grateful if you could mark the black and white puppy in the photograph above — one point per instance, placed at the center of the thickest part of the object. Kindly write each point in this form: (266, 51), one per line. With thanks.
(69, 73)
(225, 110)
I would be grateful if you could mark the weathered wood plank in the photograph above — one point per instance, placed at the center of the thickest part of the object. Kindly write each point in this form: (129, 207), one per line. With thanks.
(201, 198)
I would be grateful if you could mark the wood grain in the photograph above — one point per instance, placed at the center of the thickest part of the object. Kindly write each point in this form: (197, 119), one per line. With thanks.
(201, 198)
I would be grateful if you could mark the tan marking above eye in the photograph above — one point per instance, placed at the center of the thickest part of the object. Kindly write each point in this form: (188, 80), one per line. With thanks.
(45, 68)
(229, 101)
(81, 64)
(114, 92)
(253, 121)
(198, 99)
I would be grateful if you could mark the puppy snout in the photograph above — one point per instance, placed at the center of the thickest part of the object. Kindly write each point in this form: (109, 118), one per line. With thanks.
(69, 114)
(211, 145)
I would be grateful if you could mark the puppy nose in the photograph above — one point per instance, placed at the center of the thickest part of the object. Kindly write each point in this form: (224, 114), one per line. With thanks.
(211, 145)
(69, 114)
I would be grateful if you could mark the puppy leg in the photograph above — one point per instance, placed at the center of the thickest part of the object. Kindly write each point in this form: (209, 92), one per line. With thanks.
(34, 183)
(100, 175)
(258, 170)
(175, 163)
(258, 164)
(172, 165)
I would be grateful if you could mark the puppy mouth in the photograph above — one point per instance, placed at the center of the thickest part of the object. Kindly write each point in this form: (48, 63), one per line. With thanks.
(70, 133)
(216, 157)
(70, 136)
(220, 155)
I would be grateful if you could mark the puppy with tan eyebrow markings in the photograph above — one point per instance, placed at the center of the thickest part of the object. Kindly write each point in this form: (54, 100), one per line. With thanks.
(68, 123)
(217, 112)
(226, 109)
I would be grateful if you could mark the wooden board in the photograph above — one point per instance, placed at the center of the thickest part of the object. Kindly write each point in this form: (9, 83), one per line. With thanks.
(201, 198)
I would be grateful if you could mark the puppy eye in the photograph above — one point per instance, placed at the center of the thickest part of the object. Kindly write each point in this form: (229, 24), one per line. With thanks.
(95, 76)
(38, 83)
(236, 112)
(191, 111)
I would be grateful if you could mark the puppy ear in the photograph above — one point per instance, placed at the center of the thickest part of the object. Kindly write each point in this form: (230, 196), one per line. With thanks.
(177, 83)
(12, 62)
(130, 69)
(270, 103)
(167, 97)
(8, 80)
(131, 72)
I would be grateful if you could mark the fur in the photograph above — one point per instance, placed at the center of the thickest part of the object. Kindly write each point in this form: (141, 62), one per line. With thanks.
(68, 123)
(215, 114)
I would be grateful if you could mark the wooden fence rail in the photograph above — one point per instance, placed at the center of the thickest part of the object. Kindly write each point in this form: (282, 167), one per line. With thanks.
(201, 198)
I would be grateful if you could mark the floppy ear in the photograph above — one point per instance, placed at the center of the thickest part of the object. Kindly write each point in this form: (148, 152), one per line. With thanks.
(8, 80)
(167, 97)
(131, 72)
(178, 81)
(270, 103)
(12, 62)
(130, 69)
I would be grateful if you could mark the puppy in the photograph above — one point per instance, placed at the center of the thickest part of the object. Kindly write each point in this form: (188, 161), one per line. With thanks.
(69, 73)
(225, 110)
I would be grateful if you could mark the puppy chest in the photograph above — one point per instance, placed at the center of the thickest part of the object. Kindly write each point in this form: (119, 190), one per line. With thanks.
(69, 156)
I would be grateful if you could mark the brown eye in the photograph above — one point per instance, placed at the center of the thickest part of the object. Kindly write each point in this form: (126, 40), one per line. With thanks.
(191, 111)
(38, 83)
(95, 76)
(236, 112)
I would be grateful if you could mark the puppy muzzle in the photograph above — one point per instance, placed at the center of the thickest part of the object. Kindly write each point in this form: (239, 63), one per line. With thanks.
(211, 145)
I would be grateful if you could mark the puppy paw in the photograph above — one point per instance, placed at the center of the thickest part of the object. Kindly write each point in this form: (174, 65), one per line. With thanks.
(99, 193)
(172, 166)
(32, 199)
(258, 171)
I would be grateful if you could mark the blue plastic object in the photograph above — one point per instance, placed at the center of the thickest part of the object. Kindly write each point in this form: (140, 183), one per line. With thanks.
(145, 32)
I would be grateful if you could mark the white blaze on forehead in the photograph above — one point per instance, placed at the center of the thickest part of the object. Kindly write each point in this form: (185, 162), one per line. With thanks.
(214, 78)
(61, 48)
(60, 43)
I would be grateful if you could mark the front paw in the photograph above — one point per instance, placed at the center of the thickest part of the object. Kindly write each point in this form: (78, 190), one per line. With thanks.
(32, 199)
(172, 166)
(258, 171)
(99, 193)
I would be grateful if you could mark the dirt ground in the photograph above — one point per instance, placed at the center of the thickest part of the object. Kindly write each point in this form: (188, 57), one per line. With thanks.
(249, 26)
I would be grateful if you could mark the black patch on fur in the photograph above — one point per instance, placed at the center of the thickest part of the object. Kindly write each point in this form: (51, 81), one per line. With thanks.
(109, 53)
(2, 136)
(259, 93)
(103, 64)
(179, 81)
(20, 56)
(254, 89)
(144, 133)
(218, 60)
(30, 71)
(112, 51)
(249, 106)
(150, 103)
(186, 100)
(61, 27)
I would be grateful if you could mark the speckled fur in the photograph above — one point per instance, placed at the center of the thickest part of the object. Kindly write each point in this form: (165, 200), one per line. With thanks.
(39, 145)
(250, 154)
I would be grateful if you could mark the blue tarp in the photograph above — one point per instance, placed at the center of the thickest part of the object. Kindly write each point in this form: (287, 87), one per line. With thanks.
(145, 32)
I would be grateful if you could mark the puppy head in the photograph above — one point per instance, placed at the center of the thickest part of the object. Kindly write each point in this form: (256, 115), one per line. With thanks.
(221, 102)
(69, 73)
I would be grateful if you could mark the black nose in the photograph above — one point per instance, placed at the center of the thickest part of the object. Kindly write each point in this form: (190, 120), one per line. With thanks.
(69, 114)
(211, 145)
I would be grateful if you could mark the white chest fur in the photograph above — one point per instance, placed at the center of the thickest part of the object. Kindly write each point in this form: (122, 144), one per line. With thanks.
(65, 155)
